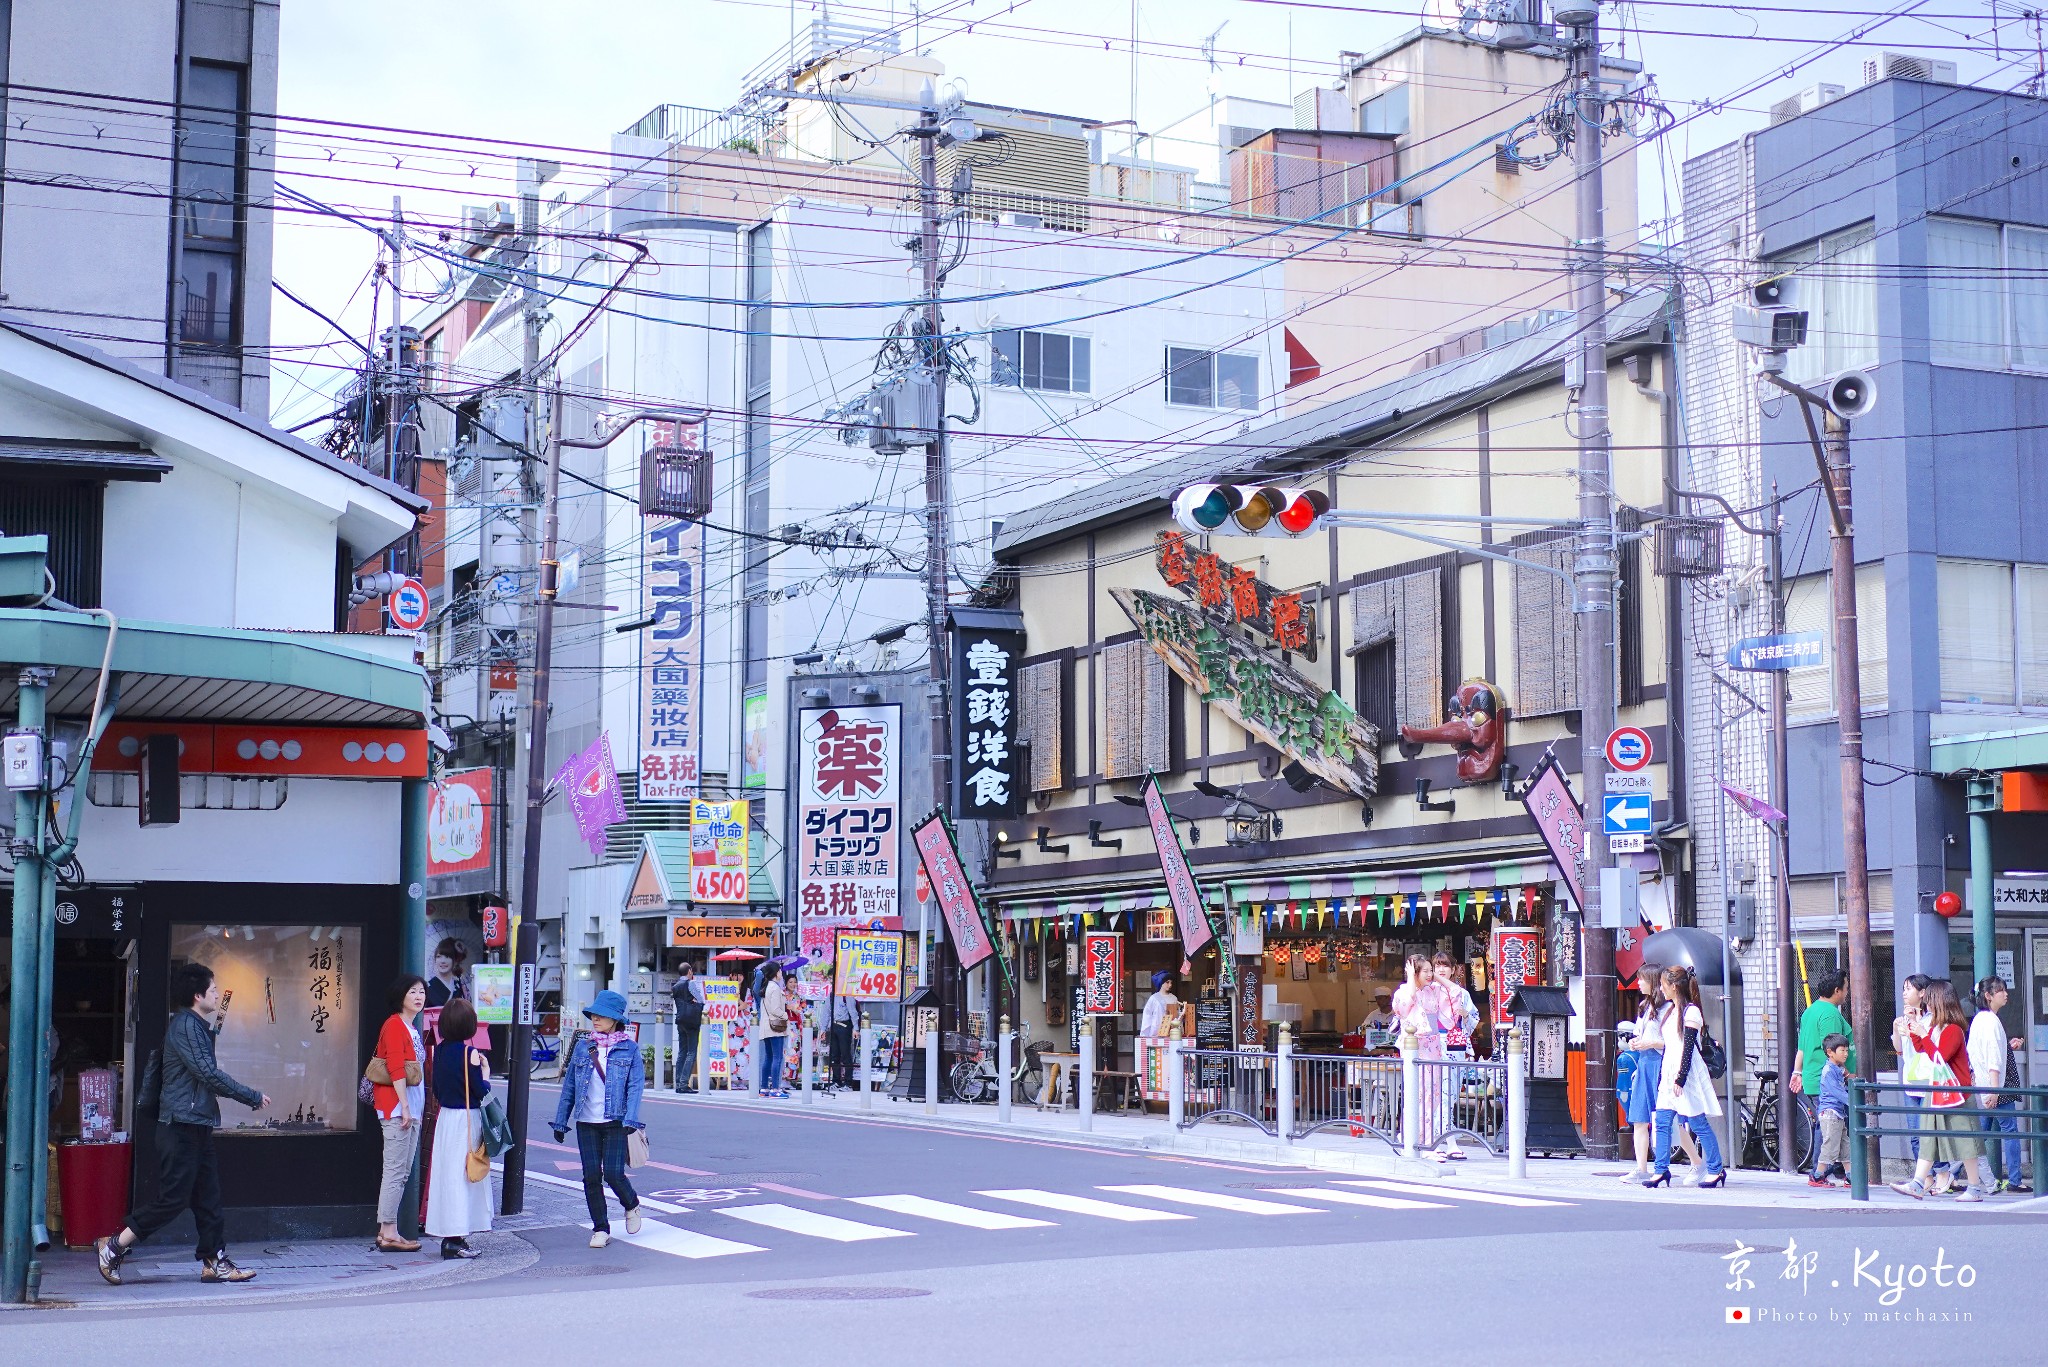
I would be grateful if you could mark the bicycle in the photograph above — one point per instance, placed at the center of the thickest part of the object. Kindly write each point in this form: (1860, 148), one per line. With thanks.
(1760, 1128)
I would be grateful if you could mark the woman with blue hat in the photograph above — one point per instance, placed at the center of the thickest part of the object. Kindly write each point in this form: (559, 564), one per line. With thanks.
(601, 1094)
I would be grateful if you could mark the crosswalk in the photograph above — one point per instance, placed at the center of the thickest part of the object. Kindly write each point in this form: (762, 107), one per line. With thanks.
(1137, 1203)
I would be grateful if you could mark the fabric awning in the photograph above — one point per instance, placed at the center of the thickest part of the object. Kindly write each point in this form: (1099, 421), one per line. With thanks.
(660, 884)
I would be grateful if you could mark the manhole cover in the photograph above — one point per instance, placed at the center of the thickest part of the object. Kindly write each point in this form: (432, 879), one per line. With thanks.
(1721, 1250)
(838, 1293)
(579, 1270)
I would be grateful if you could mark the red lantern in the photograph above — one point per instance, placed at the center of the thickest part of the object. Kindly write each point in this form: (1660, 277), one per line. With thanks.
(1947, 905)
(497, 927)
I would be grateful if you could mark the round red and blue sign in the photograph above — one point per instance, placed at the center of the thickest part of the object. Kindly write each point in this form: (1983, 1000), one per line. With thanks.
(1628, 749)
(408, 605)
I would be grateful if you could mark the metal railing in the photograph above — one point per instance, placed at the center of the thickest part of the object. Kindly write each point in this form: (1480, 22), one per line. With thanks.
(2031, 1115)
(1361, 1094)
(1227, 1085)
(1462, 1099)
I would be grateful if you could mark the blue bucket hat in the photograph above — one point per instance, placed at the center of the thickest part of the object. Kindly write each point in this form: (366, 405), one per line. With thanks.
(608, 1004)
(1160, 978)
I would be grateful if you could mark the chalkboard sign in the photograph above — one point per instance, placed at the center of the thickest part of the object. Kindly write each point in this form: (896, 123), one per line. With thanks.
(1213, 1030)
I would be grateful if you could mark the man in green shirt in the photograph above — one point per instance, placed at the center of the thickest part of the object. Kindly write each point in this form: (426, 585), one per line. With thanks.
(1823, 1018)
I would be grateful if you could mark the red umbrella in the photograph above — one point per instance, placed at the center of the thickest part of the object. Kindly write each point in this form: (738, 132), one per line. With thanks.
(736, 954)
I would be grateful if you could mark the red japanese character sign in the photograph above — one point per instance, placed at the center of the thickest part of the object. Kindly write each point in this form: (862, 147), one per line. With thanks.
(848, 814)
(1237, 595)
(957, 902)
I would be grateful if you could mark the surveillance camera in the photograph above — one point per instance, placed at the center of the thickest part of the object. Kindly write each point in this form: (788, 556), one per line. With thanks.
(1769, 329)
(1779, 292)
(1850, 394)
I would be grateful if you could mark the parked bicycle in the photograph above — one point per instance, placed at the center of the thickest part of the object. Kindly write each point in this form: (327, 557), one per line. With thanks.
(1760, 1128)
(975, 1077)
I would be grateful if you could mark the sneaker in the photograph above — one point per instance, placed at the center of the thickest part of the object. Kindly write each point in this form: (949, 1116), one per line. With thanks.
(1912, 1187)
(600, 1237)
(224, 1270)
(109, 1255)
(2018, 1189)
(1970, 1194)
(1820, 1182)
(1636, 1176)
(633, 1220)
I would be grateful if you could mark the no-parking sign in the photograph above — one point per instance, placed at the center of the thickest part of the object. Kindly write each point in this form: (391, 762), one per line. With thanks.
(1628, 749)
(407, 605)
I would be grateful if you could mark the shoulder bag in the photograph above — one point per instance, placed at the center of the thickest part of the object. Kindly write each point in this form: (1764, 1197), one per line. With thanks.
(637, 1149)
(476, 1164)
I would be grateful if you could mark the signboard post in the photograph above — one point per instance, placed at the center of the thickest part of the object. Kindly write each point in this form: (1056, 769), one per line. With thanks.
(721, 1026)
(1628, 749)
(988, 781)
(496, 989)
(1769, 654)
(718, 851)
(1561, 822)
(408, 605)
(848, 811)
(1196, 929)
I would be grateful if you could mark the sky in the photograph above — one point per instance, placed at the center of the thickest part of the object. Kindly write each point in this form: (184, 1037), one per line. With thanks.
(570, 75)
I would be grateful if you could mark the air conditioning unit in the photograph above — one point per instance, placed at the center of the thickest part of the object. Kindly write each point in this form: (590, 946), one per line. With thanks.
(1319, 108)
(1021, 220)
(1805, 102)
(1906, 67)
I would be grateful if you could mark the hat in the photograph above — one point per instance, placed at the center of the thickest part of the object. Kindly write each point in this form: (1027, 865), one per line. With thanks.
(608, 1004)
(1160, 979)
(1386, 992)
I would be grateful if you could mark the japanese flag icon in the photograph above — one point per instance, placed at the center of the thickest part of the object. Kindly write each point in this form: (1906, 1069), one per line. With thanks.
(1736, 1314)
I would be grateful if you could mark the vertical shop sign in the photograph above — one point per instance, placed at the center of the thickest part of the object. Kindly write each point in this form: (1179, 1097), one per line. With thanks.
(718, 851)
(459, 823)
(1102, 972)
(1514, 966)
(848, 811)
(988, 781)
(754, 739)
(957, 902)
(1195, 930)
(1561, 822)
(721, 1021)
(671, 661)
(1251, 1025)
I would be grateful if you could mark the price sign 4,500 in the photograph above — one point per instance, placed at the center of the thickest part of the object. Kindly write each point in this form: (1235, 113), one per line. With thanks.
(718, 885)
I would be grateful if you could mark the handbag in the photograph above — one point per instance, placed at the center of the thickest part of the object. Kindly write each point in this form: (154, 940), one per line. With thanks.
(1712, 1054)
(637, 1149)
(476, 1164)
(497, 1131)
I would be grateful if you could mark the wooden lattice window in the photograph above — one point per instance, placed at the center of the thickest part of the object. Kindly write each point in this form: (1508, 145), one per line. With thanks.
(1407, 611)
(1546, 633)
(1138, 735)
(1042, 722)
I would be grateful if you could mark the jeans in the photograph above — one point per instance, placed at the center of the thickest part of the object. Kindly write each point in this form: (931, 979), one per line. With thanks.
(2011, 1167)
(188, 1176)
(772, 1047)
(1702, 1130)
(603, 1150)
(686, 1054)
(401, 1142)
(842, 1053)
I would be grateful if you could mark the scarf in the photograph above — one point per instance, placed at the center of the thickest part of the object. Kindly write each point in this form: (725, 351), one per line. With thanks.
(601, 1042)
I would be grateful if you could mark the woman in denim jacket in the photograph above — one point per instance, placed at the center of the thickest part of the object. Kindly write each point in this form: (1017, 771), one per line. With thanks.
(601, 1094)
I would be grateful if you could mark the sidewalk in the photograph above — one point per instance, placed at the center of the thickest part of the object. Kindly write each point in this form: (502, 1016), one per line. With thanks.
(1335, 1151)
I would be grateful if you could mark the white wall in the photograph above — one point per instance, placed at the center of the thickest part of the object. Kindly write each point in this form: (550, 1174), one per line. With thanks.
(328, 831)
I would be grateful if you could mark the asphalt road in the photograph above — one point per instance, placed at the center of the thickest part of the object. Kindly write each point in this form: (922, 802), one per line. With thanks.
(856, 1241)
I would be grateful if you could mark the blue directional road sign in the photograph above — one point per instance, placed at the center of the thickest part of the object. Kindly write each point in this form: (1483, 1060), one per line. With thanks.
(1795, 650)
(1625, 813)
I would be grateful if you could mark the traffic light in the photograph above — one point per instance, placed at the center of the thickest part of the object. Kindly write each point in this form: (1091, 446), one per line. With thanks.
(1249, 509)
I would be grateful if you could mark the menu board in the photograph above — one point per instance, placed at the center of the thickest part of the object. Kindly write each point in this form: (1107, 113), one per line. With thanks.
(1214, 1029)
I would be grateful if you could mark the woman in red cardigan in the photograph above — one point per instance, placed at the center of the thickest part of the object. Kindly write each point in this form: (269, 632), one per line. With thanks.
(1950, 1137)
(400, 1105)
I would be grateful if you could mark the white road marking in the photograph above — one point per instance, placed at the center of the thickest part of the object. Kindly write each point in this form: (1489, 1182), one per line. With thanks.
(949, 1213)
(799, 1221)
(646, 1202)
(1083, 1205)
(1451, 1192)
(683, 1243)
(1215, 1200)
(1356, 1198)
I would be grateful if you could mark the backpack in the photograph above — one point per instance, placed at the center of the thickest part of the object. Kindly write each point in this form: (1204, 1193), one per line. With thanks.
(689, 1011)
(1712, 1053)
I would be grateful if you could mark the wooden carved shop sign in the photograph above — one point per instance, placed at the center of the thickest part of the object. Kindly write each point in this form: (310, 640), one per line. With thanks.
(1303, 721)
(1237, 596)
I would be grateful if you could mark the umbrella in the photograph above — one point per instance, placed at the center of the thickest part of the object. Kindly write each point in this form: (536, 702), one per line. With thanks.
(736, 954)
(790, 960)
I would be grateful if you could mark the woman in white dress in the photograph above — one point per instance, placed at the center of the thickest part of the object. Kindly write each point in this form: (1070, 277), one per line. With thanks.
(456, 1206)
(1684, 1090)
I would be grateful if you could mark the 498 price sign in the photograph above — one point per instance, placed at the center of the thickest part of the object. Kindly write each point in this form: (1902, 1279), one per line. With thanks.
(868, 967)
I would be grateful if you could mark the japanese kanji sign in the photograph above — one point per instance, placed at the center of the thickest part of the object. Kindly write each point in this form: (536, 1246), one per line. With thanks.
(1562, 824)
(988, 777)
(1514, 965)
(848, 811)
(1102, 973)
(671, 660)
(868, 966)
(718, 851)
(1236, 595)
(1195, 930)
(957, 902)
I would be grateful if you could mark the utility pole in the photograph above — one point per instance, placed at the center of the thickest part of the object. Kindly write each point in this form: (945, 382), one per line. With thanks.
(1781, 853)
(1594, 560)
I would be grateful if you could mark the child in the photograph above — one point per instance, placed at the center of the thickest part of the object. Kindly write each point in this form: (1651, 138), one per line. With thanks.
(1834, 1113)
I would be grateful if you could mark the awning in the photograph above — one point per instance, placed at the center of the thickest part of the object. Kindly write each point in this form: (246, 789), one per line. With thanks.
(177, 672)
(661, 877)
(1986, 751)
(81, 459)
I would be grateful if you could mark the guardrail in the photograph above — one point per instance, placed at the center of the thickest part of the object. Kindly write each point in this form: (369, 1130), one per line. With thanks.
(2031, 1115)
(1227, 1084)
(1463, 1099)
(1362, 1095)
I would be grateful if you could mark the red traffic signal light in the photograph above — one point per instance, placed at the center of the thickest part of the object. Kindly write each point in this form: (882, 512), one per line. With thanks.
(1249, 509)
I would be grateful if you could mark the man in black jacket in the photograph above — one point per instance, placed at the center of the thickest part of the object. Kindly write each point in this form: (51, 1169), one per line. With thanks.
(188, 1113)
(689, 999)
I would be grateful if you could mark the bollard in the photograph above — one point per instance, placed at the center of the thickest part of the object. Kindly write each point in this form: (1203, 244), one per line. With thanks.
(806, 1056)
(867, 1063)
(1176, 1080)
(1518, 1106)
(933, 1038)
(1411, 1097)
(1085, 1097)
(1283, 1116)
(1005, 1046)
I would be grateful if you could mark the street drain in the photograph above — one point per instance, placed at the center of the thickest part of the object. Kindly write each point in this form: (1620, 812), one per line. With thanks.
(1719, 1250)
(579, 1270)
(838, 1293)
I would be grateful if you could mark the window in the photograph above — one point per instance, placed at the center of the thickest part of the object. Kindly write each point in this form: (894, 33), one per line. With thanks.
(1211, 379)
(1993, 633)
(1810, 692)
(1546, 678)
(1041, 693)
(1403, 617)
(1040, 360)
(1987, 295)
(1376, 687)
(71, 513)
(1137, 711)
(1838, 276)
(209, 152)
(1386, 112)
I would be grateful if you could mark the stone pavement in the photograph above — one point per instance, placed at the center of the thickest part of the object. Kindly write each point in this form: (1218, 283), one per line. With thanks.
(1334, 1150)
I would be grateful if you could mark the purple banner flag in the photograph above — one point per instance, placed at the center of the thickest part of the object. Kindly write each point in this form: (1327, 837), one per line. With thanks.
(590, 783)
(1755, 806)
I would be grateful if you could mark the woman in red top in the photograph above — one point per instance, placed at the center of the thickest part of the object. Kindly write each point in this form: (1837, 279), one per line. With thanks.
(1952, 1137)
(400, 1104)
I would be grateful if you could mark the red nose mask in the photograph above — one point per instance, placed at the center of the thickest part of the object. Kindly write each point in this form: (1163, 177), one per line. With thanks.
(1475, 725)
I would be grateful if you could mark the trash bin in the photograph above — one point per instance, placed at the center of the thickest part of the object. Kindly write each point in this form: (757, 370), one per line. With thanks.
(92, 1179)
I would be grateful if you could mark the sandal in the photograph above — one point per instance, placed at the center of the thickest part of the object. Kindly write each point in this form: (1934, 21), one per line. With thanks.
(397, 1245)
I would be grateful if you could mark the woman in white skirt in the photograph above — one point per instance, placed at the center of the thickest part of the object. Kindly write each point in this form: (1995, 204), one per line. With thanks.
(456, 1206)
(1684, 1090)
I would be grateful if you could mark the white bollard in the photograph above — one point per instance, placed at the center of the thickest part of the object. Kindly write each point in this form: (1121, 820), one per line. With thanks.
(1411, 1096)
(1085, 1098)
(806, 1056)
(1176, 1077)
(1004, 1048)
(867, 1063)
(1518, 1106)
(1283, 1113)
(933, 1037)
